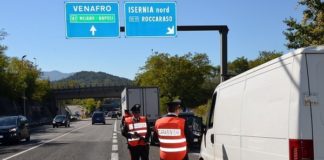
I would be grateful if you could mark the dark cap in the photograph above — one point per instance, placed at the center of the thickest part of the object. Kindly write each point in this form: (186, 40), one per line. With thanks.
(174, 103)
(136, 108)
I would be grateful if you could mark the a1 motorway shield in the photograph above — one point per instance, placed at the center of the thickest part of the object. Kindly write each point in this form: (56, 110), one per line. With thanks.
(150, 19)
(91, 19)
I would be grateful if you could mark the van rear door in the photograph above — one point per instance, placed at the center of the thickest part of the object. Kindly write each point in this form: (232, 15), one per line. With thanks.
(315, 66)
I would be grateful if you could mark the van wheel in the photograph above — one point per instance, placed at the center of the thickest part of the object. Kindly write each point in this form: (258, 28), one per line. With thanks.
(28, 139)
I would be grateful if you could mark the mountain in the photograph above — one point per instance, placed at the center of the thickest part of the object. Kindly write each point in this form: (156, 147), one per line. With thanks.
(55, 75)
(95, 78)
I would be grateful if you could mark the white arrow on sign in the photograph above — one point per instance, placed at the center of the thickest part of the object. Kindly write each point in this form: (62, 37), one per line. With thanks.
(170, 30)
(93, 30)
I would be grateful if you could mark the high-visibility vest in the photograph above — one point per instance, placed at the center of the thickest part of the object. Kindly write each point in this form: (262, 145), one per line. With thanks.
(140, 127)
(173, 144)
(128, 115)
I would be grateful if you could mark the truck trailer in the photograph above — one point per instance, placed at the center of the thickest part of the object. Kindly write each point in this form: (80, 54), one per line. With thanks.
(147, 97)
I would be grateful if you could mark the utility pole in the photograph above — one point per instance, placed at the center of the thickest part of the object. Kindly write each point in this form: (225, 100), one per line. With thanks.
(24, 92)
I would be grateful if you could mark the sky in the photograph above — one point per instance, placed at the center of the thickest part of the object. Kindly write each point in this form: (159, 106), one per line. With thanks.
(37, 28)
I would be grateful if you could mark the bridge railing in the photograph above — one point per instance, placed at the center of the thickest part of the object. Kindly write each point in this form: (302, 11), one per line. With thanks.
(55, 86)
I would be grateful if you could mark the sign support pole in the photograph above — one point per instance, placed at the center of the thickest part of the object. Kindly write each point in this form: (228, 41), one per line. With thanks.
(223, 30)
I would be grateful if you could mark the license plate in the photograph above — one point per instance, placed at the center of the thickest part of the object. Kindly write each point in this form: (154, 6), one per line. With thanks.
(195, 139)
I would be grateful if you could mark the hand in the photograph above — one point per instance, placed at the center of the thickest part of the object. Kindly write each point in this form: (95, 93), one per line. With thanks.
(136, 134)
(133, 136)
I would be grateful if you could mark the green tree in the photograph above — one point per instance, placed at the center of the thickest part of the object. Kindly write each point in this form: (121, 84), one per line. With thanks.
(3, 63)
(177, 76)
(90, 104)
(21, 78)
(310, 31)
(98, 104)
(42, 88)
(264, 56)
(239, 65)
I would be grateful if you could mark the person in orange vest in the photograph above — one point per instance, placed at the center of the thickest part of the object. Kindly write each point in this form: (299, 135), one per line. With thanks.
(171, 131)
(137, 132)
(126, 115)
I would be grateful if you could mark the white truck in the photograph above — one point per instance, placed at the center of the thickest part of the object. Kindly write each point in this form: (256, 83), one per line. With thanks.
(147, 97)
(272, 112)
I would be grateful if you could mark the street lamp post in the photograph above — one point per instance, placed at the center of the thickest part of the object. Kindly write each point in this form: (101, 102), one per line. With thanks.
(24, 92)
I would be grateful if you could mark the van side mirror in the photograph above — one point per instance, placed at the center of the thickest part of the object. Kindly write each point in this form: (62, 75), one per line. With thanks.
(203, 129)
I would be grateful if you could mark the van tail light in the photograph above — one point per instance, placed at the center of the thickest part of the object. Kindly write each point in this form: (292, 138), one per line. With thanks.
(301, 149)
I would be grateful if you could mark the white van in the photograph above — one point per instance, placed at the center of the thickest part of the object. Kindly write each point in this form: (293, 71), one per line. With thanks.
(272, 112)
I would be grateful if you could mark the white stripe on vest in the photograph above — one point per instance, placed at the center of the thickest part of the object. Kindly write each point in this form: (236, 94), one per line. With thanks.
(138, 131)
(173, 149)
(173, 140)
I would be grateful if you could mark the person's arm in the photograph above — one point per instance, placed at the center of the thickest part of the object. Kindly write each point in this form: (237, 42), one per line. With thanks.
(125, 132)
(187, 132)
(148, 132)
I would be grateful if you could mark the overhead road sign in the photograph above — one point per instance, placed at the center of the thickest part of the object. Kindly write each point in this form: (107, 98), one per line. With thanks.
(91, 19)
(150, 19)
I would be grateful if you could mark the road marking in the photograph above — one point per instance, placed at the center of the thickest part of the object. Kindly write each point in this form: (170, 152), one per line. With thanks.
(22, 152)
(114, 147)
(114, 153)
(114, 156)
(115, 126)
(195, 154)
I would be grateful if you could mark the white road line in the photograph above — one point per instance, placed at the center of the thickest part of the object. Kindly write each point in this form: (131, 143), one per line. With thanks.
(195, 154)
(114, 156)
(22, 152)
(115, 127)
(115, 147)
(114, 153)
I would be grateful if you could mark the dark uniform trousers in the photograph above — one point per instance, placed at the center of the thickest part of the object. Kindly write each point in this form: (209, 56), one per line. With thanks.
(185, 158)
(139, 152)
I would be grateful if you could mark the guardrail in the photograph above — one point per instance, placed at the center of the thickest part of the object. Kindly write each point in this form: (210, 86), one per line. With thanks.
(90, 85)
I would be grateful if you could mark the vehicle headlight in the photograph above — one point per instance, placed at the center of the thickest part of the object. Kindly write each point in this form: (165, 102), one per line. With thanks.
(63, 121)
(54, 122)
(13, 130)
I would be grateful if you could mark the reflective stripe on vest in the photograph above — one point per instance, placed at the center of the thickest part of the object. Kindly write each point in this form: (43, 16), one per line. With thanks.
(135, 139)
(138, 127)
(181, 140)
(173, 149)
(173, 144)
(139, 131)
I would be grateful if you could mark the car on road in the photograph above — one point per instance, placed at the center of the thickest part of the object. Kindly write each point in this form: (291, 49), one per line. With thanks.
(61, 120)
(98, 117)
(14, 128)
(109, 114)
(195, 127)
(114, 114)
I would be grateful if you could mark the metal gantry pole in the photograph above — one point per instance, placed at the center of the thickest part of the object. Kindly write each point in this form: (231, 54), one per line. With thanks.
(223, 43)
(223, 30)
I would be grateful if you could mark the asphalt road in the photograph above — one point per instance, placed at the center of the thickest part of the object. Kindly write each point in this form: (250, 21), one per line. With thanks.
(81, 141)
